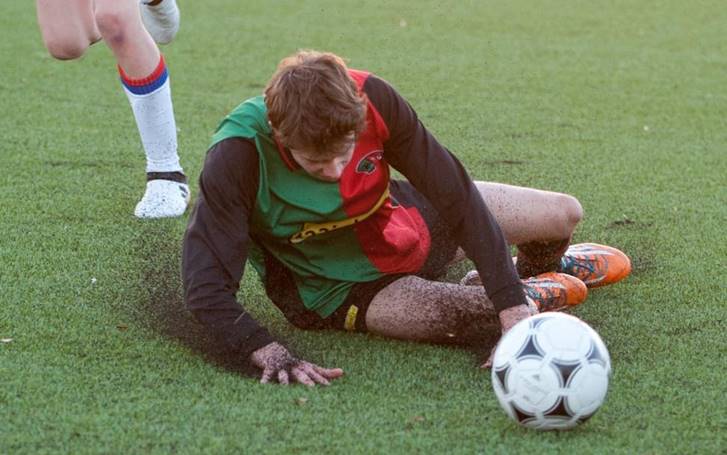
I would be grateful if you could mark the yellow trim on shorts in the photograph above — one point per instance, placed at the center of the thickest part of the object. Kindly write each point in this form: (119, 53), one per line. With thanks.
(350, 323)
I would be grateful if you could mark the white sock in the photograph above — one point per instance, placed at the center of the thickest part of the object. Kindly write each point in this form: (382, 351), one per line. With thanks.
(151, 102)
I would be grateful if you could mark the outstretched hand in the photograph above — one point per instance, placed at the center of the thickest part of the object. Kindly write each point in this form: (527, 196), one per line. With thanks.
(508, 318)
(279, 364)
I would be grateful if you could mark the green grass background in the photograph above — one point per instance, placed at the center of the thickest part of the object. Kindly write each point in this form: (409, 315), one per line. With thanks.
(620, 103)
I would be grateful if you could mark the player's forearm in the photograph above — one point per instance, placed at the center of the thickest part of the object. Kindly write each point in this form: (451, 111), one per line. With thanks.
(480, 236)
(211, 300)
(234, 327)
(215, 245)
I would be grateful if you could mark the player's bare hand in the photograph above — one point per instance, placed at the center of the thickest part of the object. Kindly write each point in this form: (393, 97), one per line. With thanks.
(508, 318)
(279, 364)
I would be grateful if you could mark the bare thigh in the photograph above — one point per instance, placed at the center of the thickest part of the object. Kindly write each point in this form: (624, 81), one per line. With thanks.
(416, 309)
(68, 27)
(527, 214)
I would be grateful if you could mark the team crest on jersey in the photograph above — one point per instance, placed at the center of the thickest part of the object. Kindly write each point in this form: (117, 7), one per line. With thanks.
(367, 164)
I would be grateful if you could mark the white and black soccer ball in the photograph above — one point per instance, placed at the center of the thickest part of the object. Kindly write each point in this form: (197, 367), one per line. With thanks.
(551, 372)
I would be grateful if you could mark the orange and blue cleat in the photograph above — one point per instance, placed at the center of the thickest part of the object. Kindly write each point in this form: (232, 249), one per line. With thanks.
(596, 265)
(555, 291)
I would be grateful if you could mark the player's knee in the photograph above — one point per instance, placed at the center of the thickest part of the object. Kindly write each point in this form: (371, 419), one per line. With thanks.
(112, 24)
(65, 50)
(572, 213)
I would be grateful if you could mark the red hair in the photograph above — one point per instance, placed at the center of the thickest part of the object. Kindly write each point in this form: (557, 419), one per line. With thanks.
(313, 102)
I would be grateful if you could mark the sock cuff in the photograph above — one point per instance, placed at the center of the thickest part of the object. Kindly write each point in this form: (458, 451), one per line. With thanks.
(534, 258)
(146, 84)
(175, 176)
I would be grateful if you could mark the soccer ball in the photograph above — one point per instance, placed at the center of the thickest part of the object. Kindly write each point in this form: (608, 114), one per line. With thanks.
(551, 372)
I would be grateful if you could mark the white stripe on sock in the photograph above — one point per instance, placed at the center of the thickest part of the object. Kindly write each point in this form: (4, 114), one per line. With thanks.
(154, 117)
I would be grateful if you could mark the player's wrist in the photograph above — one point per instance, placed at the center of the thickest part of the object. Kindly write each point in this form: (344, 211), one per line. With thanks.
(511, 316)
(273, 352)
(263, 351)
(246, 335)
(509, 297)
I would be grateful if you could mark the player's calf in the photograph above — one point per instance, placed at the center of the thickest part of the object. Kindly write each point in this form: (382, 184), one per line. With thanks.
(534, 258)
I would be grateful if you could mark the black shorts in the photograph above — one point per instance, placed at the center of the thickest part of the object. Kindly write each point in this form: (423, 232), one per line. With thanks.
(281, 289)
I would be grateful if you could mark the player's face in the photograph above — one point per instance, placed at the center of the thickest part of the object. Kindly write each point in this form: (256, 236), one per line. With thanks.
(327, 166)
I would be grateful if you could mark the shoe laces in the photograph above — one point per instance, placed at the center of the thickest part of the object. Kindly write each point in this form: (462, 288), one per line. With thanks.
(544, 295)
(577, 266)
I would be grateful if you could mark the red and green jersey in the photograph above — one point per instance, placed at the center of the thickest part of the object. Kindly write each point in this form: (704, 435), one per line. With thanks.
(329, 235)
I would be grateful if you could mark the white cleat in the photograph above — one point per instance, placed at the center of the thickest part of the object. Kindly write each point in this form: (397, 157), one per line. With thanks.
(162, 199)
(161, 19)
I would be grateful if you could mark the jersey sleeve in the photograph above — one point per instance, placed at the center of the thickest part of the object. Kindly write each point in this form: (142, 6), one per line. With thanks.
(438, 175)
(216, 245)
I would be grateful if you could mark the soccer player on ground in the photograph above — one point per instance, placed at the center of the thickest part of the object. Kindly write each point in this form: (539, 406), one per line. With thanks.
(130, 30)
(298, 183)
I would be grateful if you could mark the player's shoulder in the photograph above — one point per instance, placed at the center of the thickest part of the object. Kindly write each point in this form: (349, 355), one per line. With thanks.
(230, 170)
(385, 99)
(229, 155)
(372, 84)
(252, 107)
(380, 92)
(248, 119)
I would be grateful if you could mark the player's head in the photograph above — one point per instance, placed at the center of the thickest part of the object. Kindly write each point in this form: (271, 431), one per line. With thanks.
(316, 111)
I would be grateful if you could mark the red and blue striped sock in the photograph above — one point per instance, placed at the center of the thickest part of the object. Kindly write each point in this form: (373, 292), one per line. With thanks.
(146, 84)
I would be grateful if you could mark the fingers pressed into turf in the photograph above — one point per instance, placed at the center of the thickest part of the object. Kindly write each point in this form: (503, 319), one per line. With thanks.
(301, 376)
(488, 362)
(329, 373)
(304, 373)
(313, 374)
(267, 375)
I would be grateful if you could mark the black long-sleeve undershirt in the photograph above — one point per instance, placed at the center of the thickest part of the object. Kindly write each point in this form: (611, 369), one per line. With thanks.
(216, 245)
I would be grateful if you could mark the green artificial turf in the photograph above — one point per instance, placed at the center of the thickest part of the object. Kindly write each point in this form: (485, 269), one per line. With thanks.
(619, 103)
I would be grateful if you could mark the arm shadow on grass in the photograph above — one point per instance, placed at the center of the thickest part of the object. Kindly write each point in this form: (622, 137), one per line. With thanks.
(162, 309)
